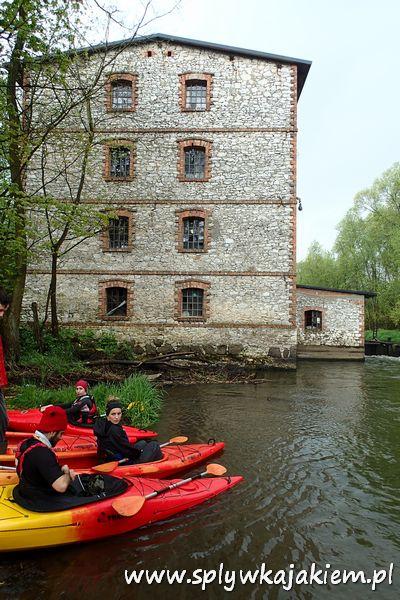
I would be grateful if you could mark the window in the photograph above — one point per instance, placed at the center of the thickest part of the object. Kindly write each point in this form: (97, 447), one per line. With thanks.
(313, 319)
(115, 300)
(195, 163)
(117, 236)
(194, 160)
(195, 92)
(118, 231)
(192, 301)
(196, 95)
(121, 92)
(192, 230)
(193, 233)
(118, 161)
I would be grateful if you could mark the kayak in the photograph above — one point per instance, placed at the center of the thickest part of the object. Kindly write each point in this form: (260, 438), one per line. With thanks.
(28, 420)
(176, 459)
(22, 529)
(78, 452)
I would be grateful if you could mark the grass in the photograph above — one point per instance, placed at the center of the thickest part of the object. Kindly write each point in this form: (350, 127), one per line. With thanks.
(142, 401)
(385, 335)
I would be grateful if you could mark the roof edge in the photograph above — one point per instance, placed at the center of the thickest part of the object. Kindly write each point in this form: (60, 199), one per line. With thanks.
(339, 291)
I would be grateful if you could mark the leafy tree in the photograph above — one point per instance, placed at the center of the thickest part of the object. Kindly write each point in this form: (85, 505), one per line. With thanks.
(366, 254)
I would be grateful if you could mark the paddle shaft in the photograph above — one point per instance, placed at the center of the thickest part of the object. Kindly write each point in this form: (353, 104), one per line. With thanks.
(172, 486)
(4, 468)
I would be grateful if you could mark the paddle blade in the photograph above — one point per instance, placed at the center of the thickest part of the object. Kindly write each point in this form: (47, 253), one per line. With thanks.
(179, 439)
(127, 507)
(106, 467)
(214, 469)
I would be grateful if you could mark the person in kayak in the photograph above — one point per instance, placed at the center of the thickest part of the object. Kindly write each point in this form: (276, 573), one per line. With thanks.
(113, 443)
(37, 465)
(4, 304)
(83, 409)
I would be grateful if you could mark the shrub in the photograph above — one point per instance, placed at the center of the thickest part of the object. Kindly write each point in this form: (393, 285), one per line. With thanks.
(141, 400)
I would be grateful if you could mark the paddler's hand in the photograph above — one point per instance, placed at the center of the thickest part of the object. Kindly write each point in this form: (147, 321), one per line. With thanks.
(43, 408)
(65, 469)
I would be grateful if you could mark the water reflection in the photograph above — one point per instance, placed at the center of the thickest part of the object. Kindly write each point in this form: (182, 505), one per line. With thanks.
(320, 454)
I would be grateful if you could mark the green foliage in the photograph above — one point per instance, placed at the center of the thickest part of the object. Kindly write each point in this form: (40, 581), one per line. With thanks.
(319, 268)
(142, 401)
(366, 254)
(384, 335)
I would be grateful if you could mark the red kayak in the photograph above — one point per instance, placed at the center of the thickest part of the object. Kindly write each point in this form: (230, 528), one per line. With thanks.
(22, 529)
(176, 459)
(78, 452)
(28, 420)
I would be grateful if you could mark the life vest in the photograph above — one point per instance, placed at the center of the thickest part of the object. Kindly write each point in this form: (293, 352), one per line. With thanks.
(20, 455)
(87, 416)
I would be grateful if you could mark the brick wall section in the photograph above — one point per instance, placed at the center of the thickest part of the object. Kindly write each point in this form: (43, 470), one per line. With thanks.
(342, 318)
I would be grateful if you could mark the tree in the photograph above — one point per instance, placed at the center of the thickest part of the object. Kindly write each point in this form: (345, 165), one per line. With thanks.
(41, 61)
(318, 268)
(366, 253)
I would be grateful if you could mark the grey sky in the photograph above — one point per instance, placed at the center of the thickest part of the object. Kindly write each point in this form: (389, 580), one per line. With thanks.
(349, 125)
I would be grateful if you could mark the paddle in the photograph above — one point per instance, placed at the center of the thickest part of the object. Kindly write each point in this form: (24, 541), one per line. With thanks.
(110, 466)
(4, 468)
(129, 506)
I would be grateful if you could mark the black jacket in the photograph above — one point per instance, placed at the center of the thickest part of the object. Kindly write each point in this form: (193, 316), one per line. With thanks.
(112, 440)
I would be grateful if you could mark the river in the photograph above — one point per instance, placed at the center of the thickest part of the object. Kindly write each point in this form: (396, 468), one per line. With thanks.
(319, 450)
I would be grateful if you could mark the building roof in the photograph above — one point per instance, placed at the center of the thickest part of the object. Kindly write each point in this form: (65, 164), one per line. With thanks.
(324, 289)
(303, 66)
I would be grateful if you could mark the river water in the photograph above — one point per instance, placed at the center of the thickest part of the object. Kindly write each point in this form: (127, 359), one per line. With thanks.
(319, 450)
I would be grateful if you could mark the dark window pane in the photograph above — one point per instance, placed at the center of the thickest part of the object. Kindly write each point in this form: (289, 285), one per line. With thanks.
(196, 94)
(116, 301)
(313, 319)
(193, 233)
(120, 162)
(192, 302)
(118, 231)
(195, 162)
(121, 94)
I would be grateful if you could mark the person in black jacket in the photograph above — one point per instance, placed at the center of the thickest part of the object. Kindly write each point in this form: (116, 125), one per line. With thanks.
(113, 443)
(37, 465)
(83, 409)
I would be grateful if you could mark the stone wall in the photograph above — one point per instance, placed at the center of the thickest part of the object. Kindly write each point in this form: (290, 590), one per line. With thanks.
(342, 318)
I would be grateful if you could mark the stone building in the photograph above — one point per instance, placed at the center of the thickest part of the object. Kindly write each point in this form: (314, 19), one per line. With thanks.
(195, 154)
(330, 323)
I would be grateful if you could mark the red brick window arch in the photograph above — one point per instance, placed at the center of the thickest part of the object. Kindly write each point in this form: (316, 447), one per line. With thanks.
(194, 163)
(121, 92)
(192, 230)
(115, 300)
(195, 92)
(119, 158)
(192, 301)
(117, 237)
